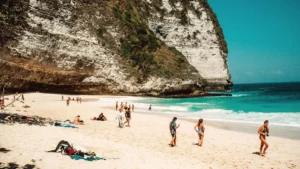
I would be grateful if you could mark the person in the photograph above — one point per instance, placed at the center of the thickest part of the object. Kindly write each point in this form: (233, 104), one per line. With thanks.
(80, 100)
(122, 105)
(67, 149)
(173, 128)
(102, 117)
(23, 97)
(77, 121)
(9, 119)
(132, 107)
(117, 105)
(125, 105)
(68, 102)
(77, 99)
(199, 128)
(120, 118)
(150, 107)
(62, 97)
(128, 117)
(73, 99)
(263, 132)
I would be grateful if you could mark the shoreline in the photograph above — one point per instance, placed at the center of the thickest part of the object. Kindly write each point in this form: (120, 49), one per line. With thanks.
(288, 132)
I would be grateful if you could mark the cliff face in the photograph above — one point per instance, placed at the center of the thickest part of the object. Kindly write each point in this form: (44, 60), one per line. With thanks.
(133, 47)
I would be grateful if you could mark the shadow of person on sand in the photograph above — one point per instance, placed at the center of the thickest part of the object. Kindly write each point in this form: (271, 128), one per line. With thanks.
(256, 153)
(4, 150)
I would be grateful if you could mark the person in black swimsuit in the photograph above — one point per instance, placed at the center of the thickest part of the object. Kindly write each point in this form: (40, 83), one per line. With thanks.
(263, 132)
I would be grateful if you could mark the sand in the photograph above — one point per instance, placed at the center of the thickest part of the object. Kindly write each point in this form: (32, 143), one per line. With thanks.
(143, 145)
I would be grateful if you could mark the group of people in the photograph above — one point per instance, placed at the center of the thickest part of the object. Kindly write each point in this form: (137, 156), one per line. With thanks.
(123, 106)
(78, 100)
(199, 128)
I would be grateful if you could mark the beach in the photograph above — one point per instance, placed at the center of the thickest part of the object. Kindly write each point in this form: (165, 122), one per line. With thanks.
(143, 145)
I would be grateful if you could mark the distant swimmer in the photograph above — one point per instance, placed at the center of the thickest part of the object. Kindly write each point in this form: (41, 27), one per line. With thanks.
(263, 132)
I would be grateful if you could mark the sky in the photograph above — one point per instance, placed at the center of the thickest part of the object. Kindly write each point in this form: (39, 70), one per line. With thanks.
(263, 38)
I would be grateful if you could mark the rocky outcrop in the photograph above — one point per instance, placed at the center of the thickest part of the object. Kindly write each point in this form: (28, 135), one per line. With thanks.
(193, 29)
(108, 47)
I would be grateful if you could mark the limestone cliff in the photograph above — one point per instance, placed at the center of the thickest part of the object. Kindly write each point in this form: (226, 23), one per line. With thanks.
(158, 47)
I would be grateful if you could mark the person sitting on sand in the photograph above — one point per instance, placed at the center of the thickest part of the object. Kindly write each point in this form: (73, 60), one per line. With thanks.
(173, 128)
(77, 121)
(263, 132)
(102, 117)
(128, 116)
(67, 149)
(199, 128)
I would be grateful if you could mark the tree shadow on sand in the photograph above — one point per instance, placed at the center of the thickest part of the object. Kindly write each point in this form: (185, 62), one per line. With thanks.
(4, 150)
(15, 166)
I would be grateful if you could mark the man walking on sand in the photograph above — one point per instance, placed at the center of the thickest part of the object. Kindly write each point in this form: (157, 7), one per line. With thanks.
(173, 128)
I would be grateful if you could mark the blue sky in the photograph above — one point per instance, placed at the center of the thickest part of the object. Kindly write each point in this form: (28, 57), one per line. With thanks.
(263, 39)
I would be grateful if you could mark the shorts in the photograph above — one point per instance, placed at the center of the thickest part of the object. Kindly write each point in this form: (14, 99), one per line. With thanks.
(173, 134)
(128, 119)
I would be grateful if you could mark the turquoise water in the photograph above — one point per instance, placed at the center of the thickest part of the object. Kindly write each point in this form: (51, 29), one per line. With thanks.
(251, 103)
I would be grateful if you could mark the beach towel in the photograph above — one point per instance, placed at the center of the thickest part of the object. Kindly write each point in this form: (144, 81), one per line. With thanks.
(68, 125)
(78, 157)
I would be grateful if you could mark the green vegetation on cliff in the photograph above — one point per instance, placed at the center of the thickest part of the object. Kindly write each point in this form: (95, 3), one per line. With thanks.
(147, 55)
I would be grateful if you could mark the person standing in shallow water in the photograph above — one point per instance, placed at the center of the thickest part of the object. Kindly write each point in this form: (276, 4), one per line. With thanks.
(150, 107)
(263, 132)
(173, 128)
(199, 128)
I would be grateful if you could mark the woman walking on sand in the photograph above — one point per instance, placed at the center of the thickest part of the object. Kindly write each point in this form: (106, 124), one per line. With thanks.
(173, 128)
(199, 128)
(263, 132)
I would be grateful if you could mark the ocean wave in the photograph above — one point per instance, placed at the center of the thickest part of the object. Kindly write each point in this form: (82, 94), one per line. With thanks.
(156, 107)
(275, 118)
(240, 95)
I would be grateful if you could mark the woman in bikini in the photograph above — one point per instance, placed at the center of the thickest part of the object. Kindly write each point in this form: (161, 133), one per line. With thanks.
(263, 132)
(199, 128)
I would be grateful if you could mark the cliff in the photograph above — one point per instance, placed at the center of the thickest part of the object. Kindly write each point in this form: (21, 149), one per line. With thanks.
(157, 48)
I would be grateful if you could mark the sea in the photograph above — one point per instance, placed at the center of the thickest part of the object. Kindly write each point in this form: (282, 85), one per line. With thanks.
(250, 103)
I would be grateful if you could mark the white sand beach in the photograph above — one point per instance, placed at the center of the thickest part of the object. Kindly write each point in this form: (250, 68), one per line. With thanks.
(143, 145)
